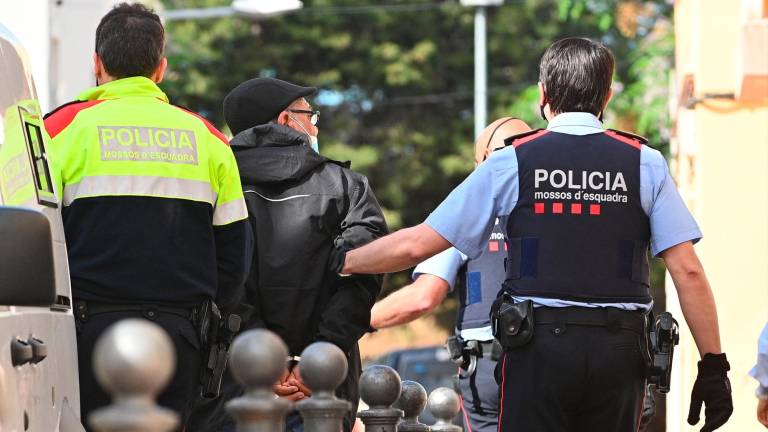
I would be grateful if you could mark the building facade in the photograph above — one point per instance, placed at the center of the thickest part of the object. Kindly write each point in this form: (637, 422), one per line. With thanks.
(720, 161)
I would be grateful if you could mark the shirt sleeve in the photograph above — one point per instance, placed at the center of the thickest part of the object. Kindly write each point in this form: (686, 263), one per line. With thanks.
(671, 221)
(760, 371)
(466, 217)
(444, 265)
(230, 204)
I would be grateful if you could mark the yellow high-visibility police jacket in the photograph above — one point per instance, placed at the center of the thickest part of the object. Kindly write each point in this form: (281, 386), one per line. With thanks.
(153, 208)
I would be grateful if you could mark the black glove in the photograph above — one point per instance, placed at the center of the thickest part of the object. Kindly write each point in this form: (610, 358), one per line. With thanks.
(714, 390)
(336, 260)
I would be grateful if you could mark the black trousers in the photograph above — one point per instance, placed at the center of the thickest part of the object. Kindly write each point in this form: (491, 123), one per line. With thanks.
(184, 386)
(574, 378)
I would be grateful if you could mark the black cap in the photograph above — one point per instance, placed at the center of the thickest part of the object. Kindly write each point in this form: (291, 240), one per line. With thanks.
(260, 100)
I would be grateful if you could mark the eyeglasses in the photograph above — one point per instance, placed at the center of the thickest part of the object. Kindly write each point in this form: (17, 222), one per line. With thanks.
(314, 116)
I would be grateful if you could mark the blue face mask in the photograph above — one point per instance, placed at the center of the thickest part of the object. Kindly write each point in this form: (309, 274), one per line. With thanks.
(312, 138)
(313, 144)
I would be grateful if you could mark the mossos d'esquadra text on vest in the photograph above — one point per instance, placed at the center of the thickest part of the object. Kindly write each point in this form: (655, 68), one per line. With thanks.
(148, 144)
(597, 186)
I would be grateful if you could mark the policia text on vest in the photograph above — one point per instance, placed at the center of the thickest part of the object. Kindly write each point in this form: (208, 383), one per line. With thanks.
(594, 186)
(137, 143)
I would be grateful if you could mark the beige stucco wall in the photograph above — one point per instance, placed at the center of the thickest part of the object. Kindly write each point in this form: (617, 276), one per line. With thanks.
(720, 162)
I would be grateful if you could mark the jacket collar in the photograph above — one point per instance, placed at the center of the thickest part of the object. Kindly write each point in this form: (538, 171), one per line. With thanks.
(271, 154)
(270, 135)
(126, 87)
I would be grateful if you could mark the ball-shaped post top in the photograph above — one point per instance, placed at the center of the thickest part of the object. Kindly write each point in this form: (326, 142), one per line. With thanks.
(258, 358)
(134, 357)
(413, 399)
(444, 403)
(380, 386)
(323, 366)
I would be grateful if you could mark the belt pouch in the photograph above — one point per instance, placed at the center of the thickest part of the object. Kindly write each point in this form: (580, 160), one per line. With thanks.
(515, 325)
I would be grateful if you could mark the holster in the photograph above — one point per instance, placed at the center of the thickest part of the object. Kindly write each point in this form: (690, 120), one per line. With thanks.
(216, 336)
(662, 336)
(512, 322)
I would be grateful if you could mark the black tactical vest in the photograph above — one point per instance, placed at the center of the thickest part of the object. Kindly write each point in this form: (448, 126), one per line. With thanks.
(480, 281)
(578, 231)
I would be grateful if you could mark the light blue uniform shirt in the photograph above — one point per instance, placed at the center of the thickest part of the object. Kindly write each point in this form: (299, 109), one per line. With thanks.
(465, 218)
(760, 371)
(446, 266)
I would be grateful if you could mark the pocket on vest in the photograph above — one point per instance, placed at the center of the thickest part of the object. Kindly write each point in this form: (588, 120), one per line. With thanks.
(633, 261)
(523, 260)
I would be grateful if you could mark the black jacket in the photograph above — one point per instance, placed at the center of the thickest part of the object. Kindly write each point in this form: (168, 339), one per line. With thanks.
(301, 203)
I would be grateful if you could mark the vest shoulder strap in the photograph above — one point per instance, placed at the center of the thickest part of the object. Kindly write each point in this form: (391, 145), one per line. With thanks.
(626, 135)
(521, 138)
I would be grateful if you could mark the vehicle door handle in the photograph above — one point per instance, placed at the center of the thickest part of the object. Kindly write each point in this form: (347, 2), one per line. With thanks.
(39, 350)
(21, 352)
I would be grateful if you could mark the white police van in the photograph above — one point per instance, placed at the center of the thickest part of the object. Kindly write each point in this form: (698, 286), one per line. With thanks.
(38, 348)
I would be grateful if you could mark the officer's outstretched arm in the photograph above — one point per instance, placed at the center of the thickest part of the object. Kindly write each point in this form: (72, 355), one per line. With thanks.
(409, 302)
(397, 251)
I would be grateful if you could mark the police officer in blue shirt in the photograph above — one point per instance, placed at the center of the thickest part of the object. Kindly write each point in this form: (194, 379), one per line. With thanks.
(478, 282)
(584, 205)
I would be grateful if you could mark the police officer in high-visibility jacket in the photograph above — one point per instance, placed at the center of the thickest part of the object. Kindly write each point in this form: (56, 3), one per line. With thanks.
(584, 206)
(478, 282)
(153, 209)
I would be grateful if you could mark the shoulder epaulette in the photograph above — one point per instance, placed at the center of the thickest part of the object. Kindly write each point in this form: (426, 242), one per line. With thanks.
(624, 136)
(522, 138)
(61, 117)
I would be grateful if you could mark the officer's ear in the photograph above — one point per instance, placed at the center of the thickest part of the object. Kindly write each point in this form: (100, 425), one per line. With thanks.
(544, 108)
(608, 98)
(283, 118)
(98, 69)
(159, 73)
(486, 153)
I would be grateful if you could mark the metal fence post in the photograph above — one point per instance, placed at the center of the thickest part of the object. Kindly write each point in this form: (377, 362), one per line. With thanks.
(444, 404)
(380, 388)
(133, 360)
(413, 399)
(257, 361)
(323, 367)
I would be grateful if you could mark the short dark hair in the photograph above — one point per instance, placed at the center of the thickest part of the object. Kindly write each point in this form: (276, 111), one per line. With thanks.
(129, 41)
(576, 74)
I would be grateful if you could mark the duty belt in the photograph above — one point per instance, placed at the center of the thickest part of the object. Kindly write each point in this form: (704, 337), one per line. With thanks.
(484, 348)
(86, 309)
(465, 353)
(609, 317)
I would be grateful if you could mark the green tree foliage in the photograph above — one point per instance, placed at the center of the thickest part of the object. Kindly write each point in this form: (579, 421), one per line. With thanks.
(397, 82)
